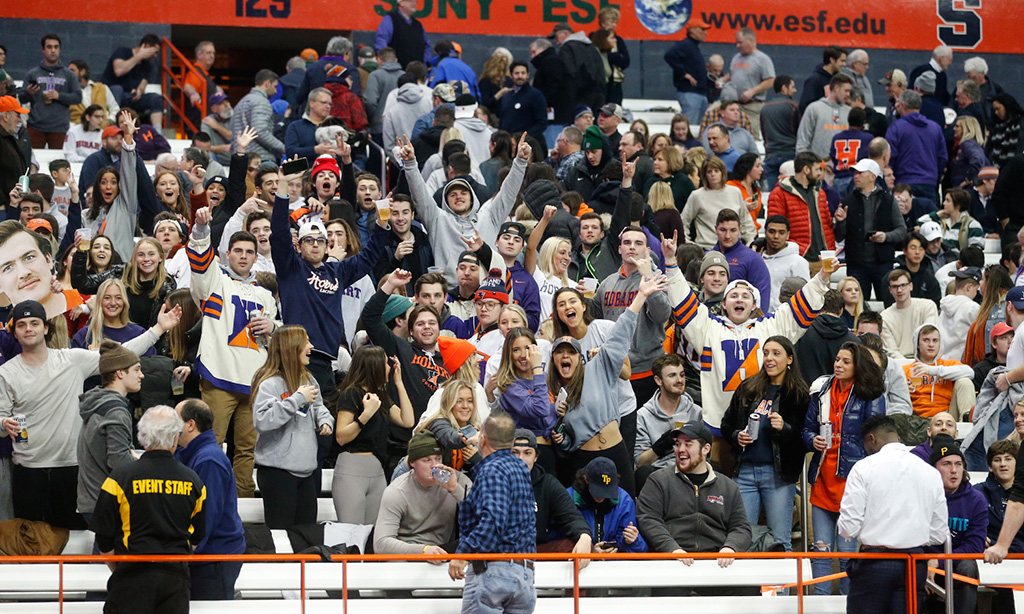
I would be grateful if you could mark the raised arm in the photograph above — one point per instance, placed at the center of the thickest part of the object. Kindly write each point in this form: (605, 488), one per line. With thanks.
(536, 236)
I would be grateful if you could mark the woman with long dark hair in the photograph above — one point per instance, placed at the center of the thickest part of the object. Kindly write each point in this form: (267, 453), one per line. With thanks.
(288, 413)
(523, 387)
(746, 176)
(365, 411)
(114, 209)
(589, 424)
(840, 403)
(767, 451)
(1005, 129)
(503, 150)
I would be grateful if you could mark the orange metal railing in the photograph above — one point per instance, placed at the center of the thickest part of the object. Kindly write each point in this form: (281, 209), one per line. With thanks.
(344, 560)
(172, 80)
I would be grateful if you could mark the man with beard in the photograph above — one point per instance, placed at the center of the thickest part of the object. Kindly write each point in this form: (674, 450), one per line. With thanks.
(218, 125)
(689, 507)
(523, 109)
(670, 405)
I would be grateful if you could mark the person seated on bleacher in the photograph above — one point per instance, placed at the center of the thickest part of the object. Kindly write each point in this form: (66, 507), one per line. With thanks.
(1001, 339)
(608, 509)
(689, 507)
(669, 406)
(942, 423)
(560, 526)
(199, 451)
(968, 520)
(970, 256)
(937, 384)
(417, 512)
(922, 268)
(901, 320)
(1002, 465)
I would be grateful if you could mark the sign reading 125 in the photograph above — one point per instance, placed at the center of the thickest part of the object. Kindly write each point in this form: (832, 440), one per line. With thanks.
(276, 9)
(962, 27)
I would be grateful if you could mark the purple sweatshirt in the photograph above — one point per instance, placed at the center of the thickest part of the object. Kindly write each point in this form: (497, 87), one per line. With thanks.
(528, 403)
(968, 520)
(918, 150)
(745, 263)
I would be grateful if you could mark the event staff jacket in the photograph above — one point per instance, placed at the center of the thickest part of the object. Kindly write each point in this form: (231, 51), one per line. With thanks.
(153, 506)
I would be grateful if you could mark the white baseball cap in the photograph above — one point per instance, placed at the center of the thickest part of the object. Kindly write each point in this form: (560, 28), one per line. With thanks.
(867, 165)
(931, 231)
(310, 227)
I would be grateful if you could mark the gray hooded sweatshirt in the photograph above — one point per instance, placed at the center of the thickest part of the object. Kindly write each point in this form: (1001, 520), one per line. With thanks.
(122, 216)
(410, 103)
(613, 298)
(378, 86)
(287, 427)
(822, 120)
(652, 422)
(445, 227)
(104, 443)
(477, 136)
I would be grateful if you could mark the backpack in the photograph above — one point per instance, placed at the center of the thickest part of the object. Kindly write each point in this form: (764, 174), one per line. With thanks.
(346, 106)
(913, 430)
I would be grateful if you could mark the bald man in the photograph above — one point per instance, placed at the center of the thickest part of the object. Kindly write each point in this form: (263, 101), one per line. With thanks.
(942, 423)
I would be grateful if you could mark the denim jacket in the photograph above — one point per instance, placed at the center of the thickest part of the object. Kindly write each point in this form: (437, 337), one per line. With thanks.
(857, 410)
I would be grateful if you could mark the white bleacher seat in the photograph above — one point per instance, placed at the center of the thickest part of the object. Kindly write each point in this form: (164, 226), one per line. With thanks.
(251, 510)
(977, 477)
(993, 246)
(963, 429)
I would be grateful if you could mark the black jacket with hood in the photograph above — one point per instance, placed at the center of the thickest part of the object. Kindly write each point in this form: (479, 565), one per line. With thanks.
(542, 193)
(555, 509)
(583, 177)
(787, 447)
(817, 349)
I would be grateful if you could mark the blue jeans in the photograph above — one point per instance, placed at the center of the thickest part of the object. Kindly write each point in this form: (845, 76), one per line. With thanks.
(826, 539)
(504, 587)
(771, 171)
(760, 485)
(692, 105)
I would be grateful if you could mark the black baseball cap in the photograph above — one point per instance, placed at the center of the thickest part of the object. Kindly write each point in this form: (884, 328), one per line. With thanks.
(693, 430)
(513, 228)
(27, 309)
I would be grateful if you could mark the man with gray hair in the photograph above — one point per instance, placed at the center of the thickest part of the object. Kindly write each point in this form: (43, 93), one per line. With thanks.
(968, 101)
(857, 69)
(199, 85)
(300, 137)
(752, 73)
(294, 73)
(918, 153)
(977, 70)
(155, 506)
(337, 54)
(942, 59)
(403, 33)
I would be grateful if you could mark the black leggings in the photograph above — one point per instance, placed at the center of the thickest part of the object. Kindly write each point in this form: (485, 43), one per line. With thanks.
(618, 455)
(287, 500)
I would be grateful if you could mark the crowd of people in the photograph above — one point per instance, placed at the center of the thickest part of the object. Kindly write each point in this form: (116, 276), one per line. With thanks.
(538, 331)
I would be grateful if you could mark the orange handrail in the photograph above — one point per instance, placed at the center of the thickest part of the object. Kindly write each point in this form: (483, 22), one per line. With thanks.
(167, 51)
(344, 559)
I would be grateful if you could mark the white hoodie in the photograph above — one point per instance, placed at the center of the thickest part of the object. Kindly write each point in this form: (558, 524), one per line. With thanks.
(955, 317)
(787, 263)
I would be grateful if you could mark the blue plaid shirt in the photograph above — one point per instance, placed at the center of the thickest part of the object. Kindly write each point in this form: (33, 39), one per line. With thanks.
(499, 515)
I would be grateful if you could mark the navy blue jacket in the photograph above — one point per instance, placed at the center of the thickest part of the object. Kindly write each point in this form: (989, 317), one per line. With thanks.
(316, 76)
(300, 140)
(857, 410)
(224, 533)
(996, 496)
(685, 58)
(814, 87)
(524, 110)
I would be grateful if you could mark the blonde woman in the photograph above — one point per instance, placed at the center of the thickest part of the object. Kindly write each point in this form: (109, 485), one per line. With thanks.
(968, 152)
(456, 424)
(494, 80)
(853, 297)
(663, 204)
(288, 413)
(713, 196)
(144, 277)
(550, 267)
(109, 319)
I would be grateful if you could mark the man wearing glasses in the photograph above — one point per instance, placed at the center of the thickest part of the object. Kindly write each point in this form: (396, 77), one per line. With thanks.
(901, 319)
(310, 287)
(300, 138)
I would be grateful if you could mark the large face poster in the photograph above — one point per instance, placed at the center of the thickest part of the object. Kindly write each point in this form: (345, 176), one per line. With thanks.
(25, 270)
(984, 26)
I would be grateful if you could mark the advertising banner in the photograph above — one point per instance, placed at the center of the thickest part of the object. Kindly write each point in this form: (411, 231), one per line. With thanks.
(991, 26)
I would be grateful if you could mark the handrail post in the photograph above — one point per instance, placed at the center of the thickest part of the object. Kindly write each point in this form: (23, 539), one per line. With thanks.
(911, 584)
(576, 585)
(800, 584)
(949, 576)
(302, 584)
(344, 586)
(805, 499)
(60, 588)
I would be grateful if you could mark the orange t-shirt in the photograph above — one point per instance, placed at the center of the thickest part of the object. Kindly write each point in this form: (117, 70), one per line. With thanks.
(828, 487)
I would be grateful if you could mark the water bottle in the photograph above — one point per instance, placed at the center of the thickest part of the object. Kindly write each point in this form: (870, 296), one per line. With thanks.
(441, 475)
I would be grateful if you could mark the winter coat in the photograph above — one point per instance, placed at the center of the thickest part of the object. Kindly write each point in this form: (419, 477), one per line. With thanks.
(586, 82)
(786, 200)
(254, 110)
(816, 351)
(399, 118)
(876, 212)
(13, 164)
(814, 87)
(786, 263)
(584, 177)
(378, 86)
(685, 58)
(104, 443)
(787, 448)
(524, 109)
(452, 69)
(616, 515)
(549, 78)
(224, 533)
(970, 158)
(673, 513)
(918, 150)
(543, 192)
(856, 412)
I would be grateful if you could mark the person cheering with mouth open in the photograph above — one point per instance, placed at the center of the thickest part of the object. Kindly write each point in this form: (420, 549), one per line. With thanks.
(589, 415)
